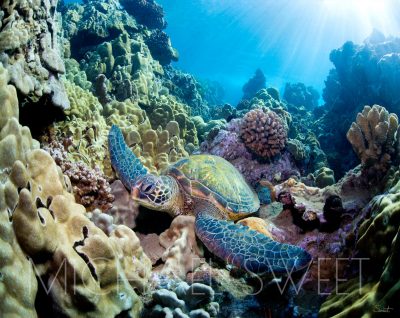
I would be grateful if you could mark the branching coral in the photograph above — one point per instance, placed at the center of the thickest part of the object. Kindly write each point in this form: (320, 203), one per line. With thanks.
(91, 188)
(263, 133)
(374, 137)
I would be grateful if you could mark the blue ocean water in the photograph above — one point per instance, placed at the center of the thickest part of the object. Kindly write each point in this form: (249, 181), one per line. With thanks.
(289, 40)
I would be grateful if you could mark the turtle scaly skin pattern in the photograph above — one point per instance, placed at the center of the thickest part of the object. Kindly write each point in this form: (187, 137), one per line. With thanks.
(129, 166)
(218, 194)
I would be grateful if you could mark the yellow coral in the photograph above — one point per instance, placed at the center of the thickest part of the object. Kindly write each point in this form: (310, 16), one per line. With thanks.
(156, 143)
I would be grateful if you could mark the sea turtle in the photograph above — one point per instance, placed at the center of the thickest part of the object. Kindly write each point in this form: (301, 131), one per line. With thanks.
(216, 193)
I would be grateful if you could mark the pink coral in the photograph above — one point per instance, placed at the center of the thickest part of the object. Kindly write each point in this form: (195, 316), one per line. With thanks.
(90, 186)
(263, 132)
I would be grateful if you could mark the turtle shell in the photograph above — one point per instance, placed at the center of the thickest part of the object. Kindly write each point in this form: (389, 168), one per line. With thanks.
(212, 177)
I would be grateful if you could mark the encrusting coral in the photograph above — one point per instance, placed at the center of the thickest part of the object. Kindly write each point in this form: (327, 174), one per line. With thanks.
(263, 132)
(374, 137)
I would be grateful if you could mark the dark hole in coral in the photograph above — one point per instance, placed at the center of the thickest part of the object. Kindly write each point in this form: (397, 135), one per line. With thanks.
(85, 232)
(44, 305)
(10, 214)
(28, 186)
(39, 115)
(39, 203)
(149, 221)
(83, 302)
(42, 220)
(41, 257)
(19, 190)
(49, 200)
(84, 41)
(124, 314)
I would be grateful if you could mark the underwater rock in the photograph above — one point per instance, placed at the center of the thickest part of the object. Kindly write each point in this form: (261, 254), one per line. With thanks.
(333, 210)
(324, 177)
(30, 50)
(183, 253)
(374, 139)
(263, 133)
(379, 242)
(161, 48)
(257, 82)
(146, 12)
(100, 89)
(204, 129)
(124, 209)
(364, 74)
(188, 90)
(297, 149)
(298, 94)
(183, 300)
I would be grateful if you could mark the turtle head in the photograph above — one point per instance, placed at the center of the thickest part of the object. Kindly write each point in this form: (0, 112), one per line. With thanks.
(159, 193)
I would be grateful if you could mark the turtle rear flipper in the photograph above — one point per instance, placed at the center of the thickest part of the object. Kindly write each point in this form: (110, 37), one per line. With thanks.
(248, 249)
(126, 164)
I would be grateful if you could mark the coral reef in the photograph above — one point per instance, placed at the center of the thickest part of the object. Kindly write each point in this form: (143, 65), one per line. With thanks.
(263, 133)
(90, 186)
(228, 144)
(363, 75)
(161, 48)
(88, 122)
(188, 90)
(18, 285)
(184, 300)
(254, 84)
(374, 137)
(183, 253)
(146, 12)
(378, 242)
(38, 202)
(298, 94)
(30, 50)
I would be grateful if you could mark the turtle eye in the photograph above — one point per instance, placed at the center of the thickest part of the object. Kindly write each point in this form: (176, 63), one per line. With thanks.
(147, 188)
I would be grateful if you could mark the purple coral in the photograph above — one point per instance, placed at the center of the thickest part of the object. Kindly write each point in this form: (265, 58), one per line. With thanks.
(91, 188)
(228, 145)
(263, 132)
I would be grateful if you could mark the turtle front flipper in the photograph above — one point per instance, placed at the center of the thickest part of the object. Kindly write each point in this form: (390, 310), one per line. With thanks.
(248, 249)
(126, 164)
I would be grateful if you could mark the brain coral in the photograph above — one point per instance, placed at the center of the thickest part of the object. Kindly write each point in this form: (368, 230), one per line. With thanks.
(263, 132)
(374, 137)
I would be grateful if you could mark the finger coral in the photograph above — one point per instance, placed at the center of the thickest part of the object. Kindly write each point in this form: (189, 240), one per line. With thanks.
(374, 137)
(263, 133)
